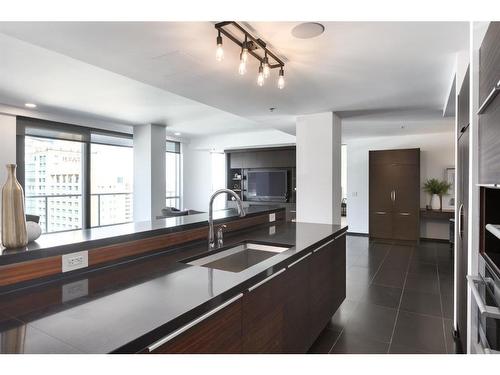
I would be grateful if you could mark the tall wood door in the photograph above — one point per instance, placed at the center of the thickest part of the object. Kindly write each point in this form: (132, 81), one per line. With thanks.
(380, 198)
(406, 200)
(395, 194)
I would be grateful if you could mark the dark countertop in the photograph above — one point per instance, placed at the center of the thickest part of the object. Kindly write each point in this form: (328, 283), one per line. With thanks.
(77, 240)
(127, 307)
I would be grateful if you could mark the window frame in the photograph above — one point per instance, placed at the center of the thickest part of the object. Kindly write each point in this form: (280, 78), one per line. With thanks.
(177, 149)
(27, 126)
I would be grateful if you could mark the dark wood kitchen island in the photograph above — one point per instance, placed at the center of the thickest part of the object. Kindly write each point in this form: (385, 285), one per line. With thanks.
(157, 303)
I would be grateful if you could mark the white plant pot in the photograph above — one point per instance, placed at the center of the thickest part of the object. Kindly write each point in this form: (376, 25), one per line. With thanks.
(435, 202)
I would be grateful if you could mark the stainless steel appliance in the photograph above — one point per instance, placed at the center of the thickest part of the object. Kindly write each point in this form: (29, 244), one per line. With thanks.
(485, 302)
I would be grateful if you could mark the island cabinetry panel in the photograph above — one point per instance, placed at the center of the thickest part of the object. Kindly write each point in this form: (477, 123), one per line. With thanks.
(219, 333)
(297, 314)
(327, 284)
(283, 313)
(263, 324)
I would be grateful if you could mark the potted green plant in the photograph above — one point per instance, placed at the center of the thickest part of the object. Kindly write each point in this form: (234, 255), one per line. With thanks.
(436, 189)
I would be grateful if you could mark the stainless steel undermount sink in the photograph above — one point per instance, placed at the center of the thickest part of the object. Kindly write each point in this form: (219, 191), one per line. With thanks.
(237, 258)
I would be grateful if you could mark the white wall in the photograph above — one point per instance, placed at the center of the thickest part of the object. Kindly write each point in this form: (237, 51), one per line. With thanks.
(7, 147)
(197, 173)
(437, 153)
(319, 168)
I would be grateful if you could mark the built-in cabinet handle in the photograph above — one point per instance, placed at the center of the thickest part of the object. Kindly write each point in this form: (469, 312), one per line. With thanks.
(380, 212)
(404, 213)
(253, 287)
(493, 93)
(394, 200)
(460, 220)
(485, 310)
(324, 245)
(299, 260)
(183, 329)
(341, 235)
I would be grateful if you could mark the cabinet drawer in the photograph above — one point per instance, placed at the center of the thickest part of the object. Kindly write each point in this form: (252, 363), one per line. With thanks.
(263, 317)
(401, 156)
(217, 334)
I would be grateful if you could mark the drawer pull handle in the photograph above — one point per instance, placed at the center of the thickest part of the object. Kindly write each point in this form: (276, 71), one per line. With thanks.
(380, 212)
(489, 99)
(485, 310)
(324, 245)
(299, 260)
(404, 213)
(253, 287)
(183, 329)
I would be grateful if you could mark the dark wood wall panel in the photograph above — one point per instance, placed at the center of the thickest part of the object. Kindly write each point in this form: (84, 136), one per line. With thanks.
(24, 271)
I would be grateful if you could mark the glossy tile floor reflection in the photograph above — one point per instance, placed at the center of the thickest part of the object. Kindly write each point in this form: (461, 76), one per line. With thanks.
(399, 300)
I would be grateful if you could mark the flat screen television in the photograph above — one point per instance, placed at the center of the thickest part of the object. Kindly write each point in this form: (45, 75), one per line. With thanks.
(267, 185)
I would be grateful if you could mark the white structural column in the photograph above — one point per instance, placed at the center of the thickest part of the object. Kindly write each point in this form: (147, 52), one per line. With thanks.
(318, 138)
(7, 149)
(149, 171)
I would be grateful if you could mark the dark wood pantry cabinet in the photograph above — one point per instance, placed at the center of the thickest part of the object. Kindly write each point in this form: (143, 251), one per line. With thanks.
(284, 313)
(394, 197)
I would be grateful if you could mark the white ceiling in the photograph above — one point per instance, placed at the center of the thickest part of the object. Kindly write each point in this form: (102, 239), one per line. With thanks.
(355, 68)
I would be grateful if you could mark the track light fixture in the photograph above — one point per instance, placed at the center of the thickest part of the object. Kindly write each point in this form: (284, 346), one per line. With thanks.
(250, 46)
(260, 77)
(219, 53)
(267, 69)
(281, 79)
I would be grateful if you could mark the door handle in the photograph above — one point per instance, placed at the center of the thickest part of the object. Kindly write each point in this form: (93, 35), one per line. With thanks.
(404, 213)
(493, 93)
(394, 195)
(380, 212)
(460, 220)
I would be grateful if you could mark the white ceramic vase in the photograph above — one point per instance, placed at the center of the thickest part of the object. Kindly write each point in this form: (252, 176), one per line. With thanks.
(435, 202)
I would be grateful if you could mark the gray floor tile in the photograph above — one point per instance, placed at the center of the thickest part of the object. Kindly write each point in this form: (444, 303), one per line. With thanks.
(419, 332)
(372, 321)
(324, 343)
(383, 296)
(350, 343)
(421, 303)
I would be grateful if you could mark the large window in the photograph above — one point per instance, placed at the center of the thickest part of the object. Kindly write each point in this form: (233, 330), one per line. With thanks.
(173, 174)
(74, 177)
(53, 182)
(112, 183)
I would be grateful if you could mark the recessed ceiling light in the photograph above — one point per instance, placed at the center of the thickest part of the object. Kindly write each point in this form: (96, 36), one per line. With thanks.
(177, 134)
(30, 105)
(307, 30)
